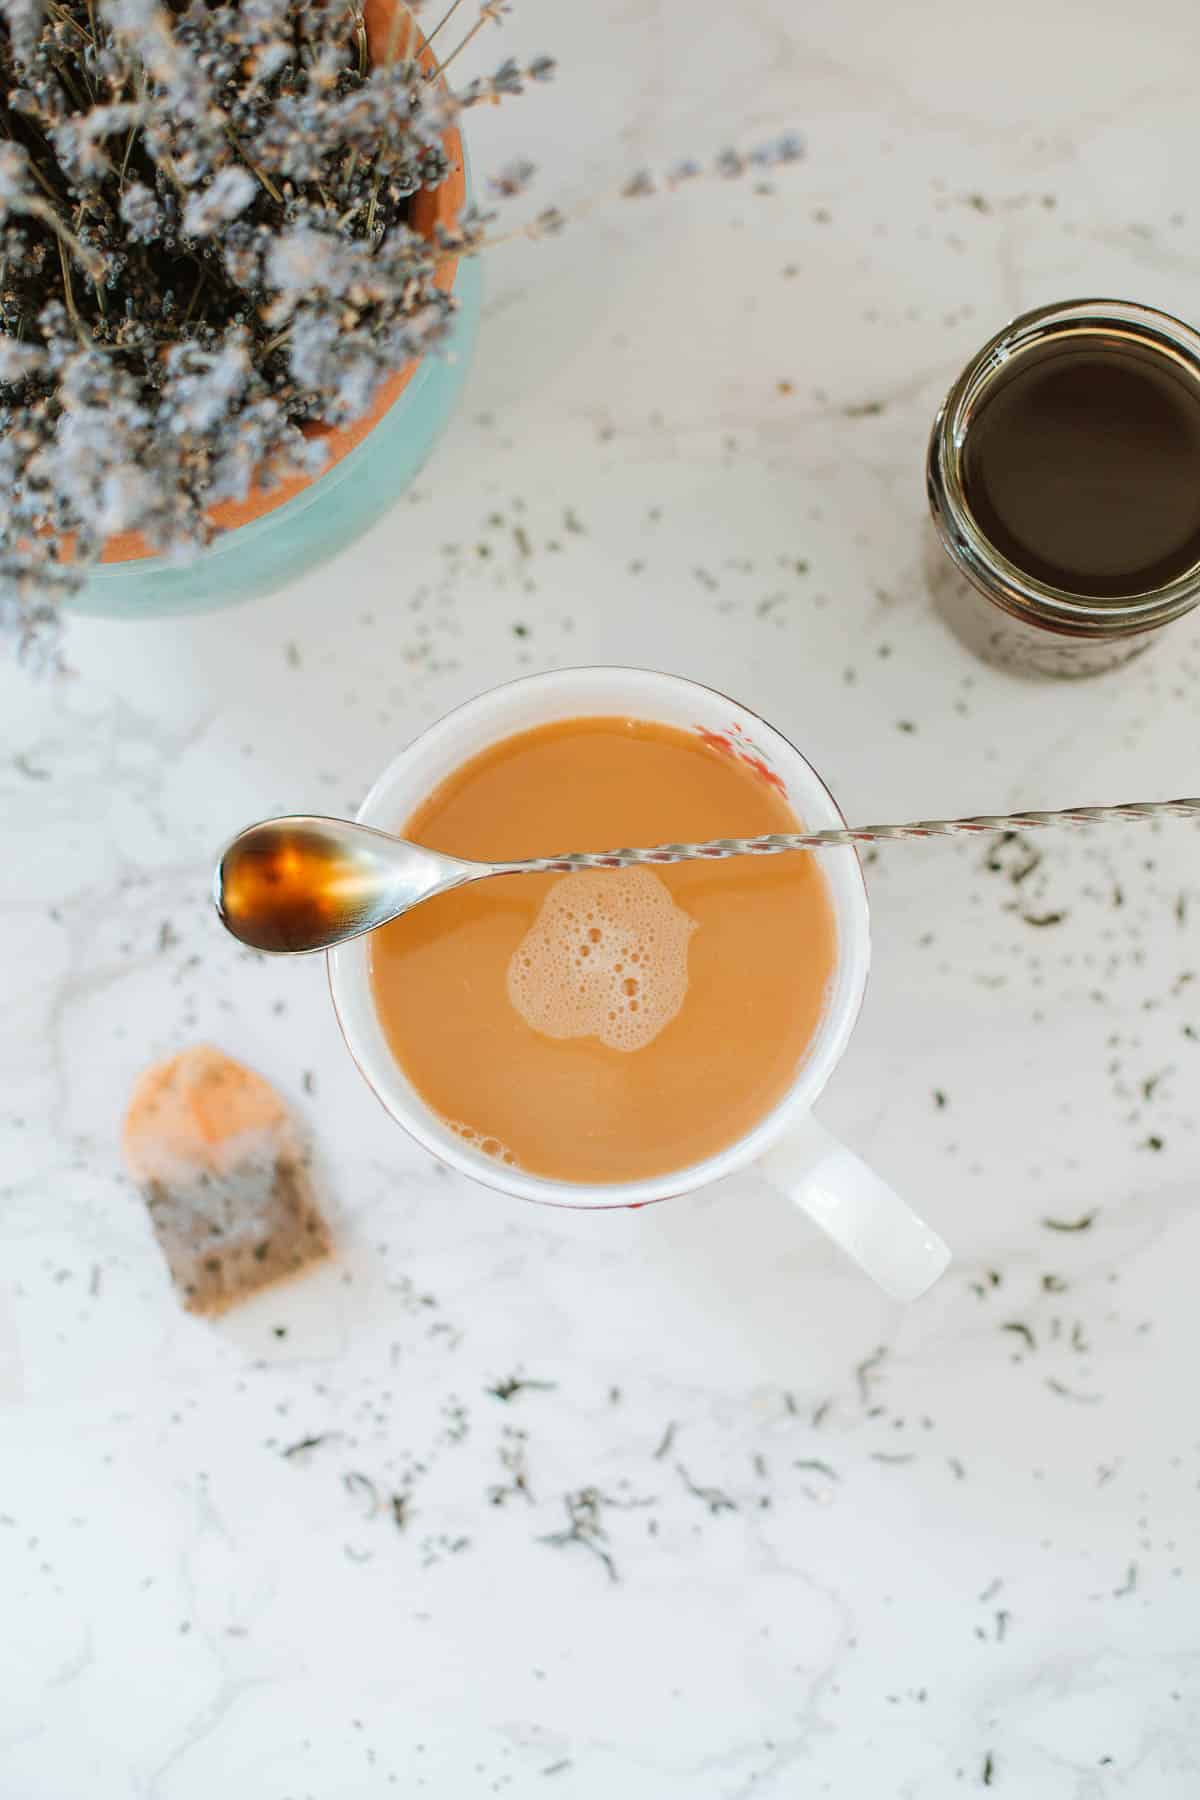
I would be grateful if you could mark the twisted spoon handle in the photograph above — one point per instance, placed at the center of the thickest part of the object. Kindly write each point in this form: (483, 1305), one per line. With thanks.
(778, 842)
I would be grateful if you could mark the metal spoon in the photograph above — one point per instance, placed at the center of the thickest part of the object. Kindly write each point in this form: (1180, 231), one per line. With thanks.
(306, 883)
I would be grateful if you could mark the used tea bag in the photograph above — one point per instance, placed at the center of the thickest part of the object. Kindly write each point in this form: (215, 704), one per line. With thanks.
(223, 1173)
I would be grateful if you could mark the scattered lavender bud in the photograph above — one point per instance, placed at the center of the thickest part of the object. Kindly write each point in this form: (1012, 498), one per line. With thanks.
(512, 179)
(786, 149)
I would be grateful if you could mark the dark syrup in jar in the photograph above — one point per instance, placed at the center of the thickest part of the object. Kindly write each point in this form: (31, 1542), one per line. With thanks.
(1082, 468)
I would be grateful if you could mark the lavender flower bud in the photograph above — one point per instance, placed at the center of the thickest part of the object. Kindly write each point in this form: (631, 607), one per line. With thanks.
(24, 21)
(229, 193)
(18, 361)
(15, 179)
(141, 213)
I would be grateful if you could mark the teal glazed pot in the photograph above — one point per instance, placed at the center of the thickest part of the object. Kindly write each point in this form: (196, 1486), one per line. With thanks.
(276, 535)
(315, 524)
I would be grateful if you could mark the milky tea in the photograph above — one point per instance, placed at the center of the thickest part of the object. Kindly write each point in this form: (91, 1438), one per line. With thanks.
(607, 1026)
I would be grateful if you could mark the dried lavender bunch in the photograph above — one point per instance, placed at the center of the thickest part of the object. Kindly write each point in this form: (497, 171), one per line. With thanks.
(204, 244)
(205, 247)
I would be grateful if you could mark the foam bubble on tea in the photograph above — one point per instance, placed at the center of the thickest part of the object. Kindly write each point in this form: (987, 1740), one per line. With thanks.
(483, 1142)
(606, 957)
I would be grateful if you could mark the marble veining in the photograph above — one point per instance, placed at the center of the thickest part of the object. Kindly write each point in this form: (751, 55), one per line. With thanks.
(669, 1503)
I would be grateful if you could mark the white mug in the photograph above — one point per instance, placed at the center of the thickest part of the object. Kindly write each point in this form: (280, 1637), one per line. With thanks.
(858, 1210)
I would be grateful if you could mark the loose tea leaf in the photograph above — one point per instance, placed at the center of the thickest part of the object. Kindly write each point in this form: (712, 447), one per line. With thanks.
(512, 1385)
(668, 1438)
(819, 1467)
(713, 1497)
(584, 1527)
(307, 1443)
(865, 1372)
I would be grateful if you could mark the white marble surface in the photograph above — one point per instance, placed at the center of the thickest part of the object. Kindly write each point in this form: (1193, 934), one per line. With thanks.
(972, 1563)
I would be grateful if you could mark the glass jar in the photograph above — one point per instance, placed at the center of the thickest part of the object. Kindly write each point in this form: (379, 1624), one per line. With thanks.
(1006, 615)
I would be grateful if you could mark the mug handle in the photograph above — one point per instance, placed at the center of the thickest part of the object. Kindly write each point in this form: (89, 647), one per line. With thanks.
(870, 1221)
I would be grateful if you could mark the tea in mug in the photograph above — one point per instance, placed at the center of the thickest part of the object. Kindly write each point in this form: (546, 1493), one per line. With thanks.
(606, 1026)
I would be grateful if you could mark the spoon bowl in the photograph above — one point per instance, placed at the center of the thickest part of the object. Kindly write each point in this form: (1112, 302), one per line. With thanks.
(305, 883)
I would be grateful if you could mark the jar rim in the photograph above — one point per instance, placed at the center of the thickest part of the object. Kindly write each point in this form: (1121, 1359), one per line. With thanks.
(969, 547)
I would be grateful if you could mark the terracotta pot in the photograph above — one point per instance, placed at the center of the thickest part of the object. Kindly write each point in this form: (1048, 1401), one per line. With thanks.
(277, 532)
